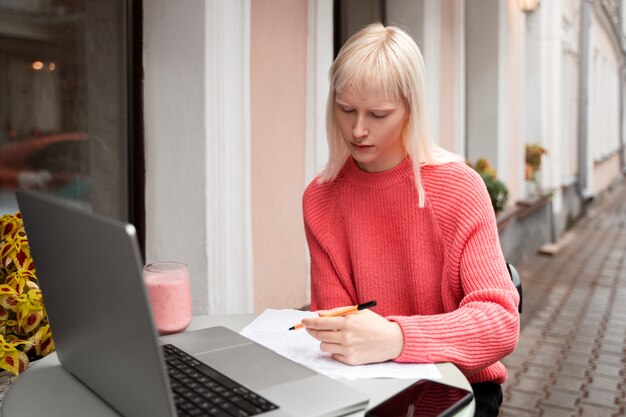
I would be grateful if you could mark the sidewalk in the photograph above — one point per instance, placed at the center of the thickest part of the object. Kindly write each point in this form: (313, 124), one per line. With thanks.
(571, 358)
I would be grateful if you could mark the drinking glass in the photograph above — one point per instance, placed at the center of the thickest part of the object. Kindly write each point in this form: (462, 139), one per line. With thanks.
(167, 284)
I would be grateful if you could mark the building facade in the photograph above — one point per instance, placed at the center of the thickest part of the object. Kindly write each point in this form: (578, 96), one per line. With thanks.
(233, 99)
(498, 78)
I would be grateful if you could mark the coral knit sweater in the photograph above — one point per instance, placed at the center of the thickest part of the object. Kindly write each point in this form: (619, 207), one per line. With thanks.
(437, 271)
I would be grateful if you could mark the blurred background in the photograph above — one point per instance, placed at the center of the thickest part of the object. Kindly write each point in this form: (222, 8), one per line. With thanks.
(202, 122)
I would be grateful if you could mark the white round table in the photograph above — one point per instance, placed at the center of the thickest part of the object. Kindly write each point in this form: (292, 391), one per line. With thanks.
(47, 389)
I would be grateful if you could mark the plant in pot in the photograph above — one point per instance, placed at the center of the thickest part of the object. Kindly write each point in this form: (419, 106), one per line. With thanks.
(24, 328)
(533, 156)
(498, 191)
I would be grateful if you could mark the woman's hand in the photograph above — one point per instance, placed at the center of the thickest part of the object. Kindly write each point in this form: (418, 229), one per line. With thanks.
(356, 339)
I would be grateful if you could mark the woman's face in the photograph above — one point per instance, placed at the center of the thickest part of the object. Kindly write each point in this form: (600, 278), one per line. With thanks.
(372, 129)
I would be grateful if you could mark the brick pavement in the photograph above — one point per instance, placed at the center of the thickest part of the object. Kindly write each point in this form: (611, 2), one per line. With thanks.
(571, 358)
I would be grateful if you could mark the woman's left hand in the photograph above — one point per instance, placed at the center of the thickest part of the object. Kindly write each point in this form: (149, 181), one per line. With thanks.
(356, 339)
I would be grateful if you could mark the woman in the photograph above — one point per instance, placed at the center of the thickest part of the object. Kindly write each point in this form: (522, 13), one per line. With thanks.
(395, 219)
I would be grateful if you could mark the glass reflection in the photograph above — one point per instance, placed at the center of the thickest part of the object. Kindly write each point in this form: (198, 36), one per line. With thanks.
(63, 112)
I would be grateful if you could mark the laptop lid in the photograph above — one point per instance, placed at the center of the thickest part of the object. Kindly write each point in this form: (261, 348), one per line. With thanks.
(89, 270)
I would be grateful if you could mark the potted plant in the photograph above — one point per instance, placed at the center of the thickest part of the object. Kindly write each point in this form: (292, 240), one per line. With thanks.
(24, 328)
(533, 156)
(498, 191)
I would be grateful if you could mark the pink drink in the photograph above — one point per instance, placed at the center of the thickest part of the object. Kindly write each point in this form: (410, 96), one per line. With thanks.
(167, 284)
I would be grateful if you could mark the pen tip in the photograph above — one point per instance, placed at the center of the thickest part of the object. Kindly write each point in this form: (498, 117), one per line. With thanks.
(292, 328)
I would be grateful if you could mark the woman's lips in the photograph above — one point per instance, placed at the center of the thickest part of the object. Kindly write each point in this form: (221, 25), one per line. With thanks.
(361, 146)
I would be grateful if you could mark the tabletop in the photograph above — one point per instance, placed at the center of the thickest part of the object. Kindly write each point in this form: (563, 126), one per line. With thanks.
(46, 389)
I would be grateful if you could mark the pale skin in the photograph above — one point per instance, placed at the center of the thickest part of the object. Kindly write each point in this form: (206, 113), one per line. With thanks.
(371, 127)
(358, 338)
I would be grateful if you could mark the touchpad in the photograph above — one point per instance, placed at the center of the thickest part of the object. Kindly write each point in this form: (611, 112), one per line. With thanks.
(254, 366)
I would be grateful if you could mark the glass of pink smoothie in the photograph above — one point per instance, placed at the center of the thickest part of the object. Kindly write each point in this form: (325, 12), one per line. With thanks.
(167, 284)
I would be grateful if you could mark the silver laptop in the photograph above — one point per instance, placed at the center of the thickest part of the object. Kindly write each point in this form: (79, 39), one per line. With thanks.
(89, 268)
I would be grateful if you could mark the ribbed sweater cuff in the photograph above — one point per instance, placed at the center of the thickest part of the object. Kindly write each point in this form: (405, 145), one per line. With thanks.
(430, 347)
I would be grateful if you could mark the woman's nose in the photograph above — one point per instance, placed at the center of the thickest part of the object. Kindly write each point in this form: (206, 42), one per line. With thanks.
(359, 131)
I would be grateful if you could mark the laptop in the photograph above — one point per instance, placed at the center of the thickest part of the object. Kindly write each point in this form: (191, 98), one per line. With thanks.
(90, 272)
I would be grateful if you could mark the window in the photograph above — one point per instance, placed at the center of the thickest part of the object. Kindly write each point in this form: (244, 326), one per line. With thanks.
(65, 110)
(351, 15)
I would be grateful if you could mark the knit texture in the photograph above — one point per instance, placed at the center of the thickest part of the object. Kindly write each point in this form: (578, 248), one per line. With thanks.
(437, 271)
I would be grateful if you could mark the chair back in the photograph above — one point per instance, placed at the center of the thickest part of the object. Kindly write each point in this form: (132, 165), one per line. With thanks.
(515, 277)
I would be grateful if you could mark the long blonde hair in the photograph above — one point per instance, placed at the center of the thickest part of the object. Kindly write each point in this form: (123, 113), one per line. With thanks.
(387, 62)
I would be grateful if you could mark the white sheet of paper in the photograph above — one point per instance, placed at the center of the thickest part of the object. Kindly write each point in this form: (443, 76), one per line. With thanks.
(270, 329)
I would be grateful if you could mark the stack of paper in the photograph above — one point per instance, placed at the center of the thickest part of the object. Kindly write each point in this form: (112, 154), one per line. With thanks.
(270, 329)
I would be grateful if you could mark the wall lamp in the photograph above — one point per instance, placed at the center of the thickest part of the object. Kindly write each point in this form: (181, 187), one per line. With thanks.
(528, 6)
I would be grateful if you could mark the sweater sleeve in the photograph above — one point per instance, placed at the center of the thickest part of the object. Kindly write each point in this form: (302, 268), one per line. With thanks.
(328, 290)
(485, 326)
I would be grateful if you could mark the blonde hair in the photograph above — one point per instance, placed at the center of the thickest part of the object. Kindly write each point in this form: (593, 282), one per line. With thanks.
(387, 62)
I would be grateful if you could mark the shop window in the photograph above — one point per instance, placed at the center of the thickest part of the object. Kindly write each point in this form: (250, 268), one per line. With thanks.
(66, 116)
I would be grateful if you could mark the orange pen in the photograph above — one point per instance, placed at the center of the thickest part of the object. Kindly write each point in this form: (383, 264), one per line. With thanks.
(342, 312)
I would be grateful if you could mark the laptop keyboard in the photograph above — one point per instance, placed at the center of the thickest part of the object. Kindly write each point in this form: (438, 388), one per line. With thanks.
(200, 390)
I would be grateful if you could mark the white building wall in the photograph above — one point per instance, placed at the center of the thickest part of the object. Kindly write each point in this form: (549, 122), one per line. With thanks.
(319, 60)
(553, 32)
(604, 96)
(511, 88)
(482, 75)
(432, 62)
(569, 92)
(196, 112)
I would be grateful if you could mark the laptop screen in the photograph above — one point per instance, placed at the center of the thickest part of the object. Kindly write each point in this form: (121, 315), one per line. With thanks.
(89, 271)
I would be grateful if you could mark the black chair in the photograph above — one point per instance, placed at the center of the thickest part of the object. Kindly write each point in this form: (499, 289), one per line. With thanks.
(517, 282)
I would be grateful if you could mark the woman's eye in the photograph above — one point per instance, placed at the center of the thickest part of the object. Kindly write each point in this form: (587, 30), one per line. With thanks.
(379, 115)
(347, 110)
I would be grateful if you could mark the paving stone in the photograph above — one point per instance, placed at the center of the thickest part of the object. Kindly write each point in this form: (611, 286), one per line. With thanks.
(525, 345)
(531, 332)
(569, 312)
(540, 322)
(567, 383)
(606, 282)
(616, 313)
(523, 400)
(614, 348)
(544, 360)
(608, 370)
(555, 340)
(589, 410)
(560, 398)
(573, 369)
(513, 412)
(544, 349)
(610, 359)
(614, 334)
(590, 318)
(539, 371)
(584, 349)
(604, 383)
(531, 384)
(587, 333)
(613, 338)
(514, 361)
(560, 332)
(552, 411)
(588, 328)
(596, 299)
(579, 358)
(602, 397)
(583, 339)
